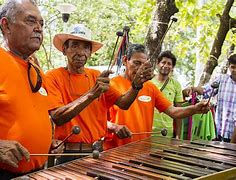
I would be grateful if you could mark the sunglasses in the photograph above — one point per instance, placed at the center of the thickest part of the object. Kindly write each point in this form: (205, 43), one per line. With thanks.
(34, 77)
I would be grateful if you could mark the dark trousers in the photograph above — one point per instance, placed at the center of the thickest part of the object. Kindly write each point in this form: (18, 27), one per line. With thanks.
(5, 175)
(220, 138)
(64, 159)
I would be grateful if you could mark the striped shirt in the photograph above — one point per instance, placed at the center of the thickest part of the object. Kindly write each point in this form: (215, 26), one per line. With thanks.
(225, 116)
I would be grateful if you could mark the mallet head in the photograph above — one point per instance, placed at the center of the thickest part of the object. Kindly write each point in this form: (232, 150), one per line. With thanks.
(174, 19)
(75, 130)
(119, 33)
(164, 132)
(95, 154)
(215, 85)
(126, 28)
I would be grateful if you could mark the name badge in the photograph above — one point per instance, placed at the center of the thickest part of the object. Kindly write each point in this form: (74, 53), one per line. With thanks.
(43, 92)
(144, 98)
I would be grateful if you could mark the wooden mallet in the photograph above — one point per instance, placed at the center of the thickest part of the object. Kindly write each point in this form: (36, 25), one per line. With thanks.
(74, 130)
(163, 132)
(95, 154)
(214, 85)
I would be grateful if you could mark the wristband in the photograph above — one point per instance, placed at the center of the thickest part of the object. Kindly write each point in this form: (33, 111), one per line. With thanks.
(136, 87)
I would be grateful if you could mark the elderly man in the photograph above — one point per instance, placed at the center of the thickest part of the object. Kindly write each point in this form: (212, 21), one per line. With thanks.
(24, 121)
(81, 95)
(139, 117)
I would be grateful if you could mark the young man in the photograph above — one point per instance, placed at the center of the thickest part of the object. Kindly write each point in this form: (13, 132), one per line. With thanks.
(171, 88)
(139, 117)
(81, 96)
(24, 121)
(225, 115)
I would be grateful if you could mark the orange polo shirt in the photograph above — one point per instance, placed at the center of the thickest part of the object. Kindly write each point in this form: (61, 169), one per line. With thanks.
(65, 87)
(24, 115)
(139, 116)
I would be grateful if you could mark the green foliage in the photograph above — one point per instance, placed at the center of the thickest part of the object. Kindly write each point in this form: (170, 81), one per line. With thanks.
(194, 32)
(104, 18)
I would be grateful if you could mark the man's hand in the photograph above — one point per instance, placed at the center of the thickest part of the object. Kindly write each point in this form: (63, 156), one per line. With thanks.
(187, 92)
(58, 150)
(102, 83)
(122, 131)
(190, 90)
(11, 152)
(144, 73)
(202, 107)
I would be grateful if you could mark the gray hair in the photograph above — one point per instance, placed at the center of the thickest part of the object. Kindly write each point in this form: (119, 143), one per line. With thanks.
(134, 48)
(9, 9)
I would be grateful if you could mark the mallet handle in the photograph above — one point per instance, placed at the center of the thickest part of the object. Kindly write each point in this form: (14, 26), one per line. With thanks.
(63, 154)
(62, 142)
(140, 133)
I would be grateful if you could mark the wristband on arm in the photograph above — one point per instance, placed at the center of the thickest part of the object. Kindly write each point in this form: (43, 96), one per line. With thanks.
(136, 87)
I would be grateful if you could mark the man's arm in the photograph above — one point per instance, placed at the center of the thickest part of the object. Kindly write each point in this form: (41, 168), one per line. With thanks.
(144, 73)
(127, 99)
(182, 112)
(188, 91)
(65, 113)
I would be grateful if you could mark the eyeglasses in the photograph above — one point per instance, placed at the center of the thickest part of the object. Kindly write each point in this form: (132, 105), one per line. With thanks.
(33, 73)
(34, 77)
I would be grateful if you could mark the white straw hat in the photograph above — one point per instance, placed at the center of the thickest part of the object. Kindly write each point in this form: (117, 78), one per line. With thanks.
(79, 32)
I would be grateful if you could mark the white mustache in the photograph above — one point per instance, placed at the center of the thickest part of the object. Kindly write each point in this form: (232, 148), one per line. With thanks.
(37, 35)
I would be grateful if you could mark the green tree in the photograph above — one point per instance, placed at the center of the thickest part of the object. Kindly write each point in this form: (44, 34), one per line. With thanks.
(226, 23)
(104, 18)
(182, 38)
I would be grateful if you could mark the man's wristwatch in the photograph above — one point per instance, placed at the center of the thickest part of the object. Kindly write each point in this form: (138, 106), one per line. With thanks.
(136, 87)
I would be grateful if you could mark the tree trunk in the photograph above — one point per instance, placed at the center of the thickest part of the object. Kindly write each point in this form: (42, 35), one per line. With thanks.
(161, 18)
(226, 23)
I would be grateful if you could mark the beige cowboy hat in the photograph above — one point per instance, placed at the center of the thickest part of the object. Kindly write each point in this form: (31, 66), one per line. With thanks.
(79, 32)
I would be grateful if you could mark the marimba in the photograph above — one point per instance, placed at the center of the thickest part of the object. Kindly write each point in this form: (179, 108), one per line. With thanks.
(152, 158)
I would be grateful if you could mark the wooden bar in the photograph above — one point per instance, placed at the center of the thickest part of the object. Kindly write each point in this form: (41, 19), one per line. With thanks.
(182, 166)
(210, 149)
(157, 171)
(216, 144)
(191, 161)
(108, 167)
(144, 174)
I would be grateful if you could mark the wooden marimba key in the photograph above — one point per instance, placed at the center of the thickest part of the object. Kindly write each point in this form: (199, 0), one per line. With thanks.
(151, 158)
